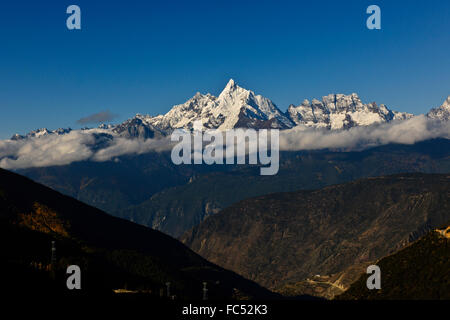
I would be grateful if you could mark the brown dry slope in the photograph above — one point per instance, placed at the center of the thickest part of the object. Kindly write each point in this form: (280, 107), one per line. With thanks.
(419, 271)
(286, 238)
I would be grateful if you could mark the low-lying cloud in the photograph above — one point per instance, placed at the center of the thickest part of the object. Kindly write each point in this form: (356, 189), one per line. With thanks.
(123, 146)
(83, 145)
(56, 150)
(409, 131)
(51, 150)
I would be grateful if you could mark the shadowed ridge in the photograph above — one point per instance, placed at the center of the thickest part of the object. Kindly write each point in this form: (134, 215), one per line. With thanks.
(113, 253)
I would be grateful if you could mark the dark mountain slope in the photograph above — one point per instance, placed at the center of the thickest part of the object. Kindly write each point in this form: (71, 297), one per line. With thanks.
(112, 253)
(420, 271)
(118, 184)
(287, 237)
(177, 209)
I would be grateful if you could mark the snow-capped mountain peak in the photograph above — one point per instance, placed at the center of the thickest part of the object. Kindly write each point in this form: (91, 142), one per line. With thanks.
(441, 113)
(234, 107)
(41, 133)
(242, 108)
(340, 111)
(231, 85)
(237, 107)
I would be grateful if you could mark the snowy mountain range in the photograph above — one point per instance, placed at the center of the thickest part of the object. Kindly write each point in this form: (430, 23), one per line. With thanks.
(40, 133)
(339, 111)
(237, 107)
(234, 107)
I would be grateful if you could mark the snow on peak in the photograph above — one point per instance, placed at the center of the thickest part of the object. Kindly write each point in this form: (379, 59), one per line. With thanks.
(230, 85)
(340, 111)
(41, 133)
(441, 113)
(237, 107)
(232, 89)
(446, 103)
(234, 107)
(306, 103)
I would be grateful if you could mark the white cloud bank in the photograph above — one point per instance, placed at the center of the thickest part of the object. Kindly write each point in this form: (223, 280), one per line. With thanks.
(75, 146)
(56, 150)
(45, 151)
(409, 131)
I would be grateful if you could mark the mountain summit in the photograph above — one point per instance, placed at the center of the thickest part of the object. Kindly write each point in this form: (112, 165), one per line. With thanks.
(441, 113)
(237, 107)
(339, 111)
(234, 107)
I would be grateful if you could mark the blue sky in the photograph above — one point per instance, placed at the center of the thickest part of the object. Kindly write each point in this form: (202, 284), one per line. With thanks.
(145, 56)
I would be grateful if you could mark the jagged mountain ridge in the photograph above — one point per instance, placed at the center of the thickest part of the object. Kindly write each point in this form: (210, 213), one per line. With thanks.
(232, 106)
(284, 238)
(41, 132)
(339, 111)
(238, 107)
(441, 113)
(138, 128)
